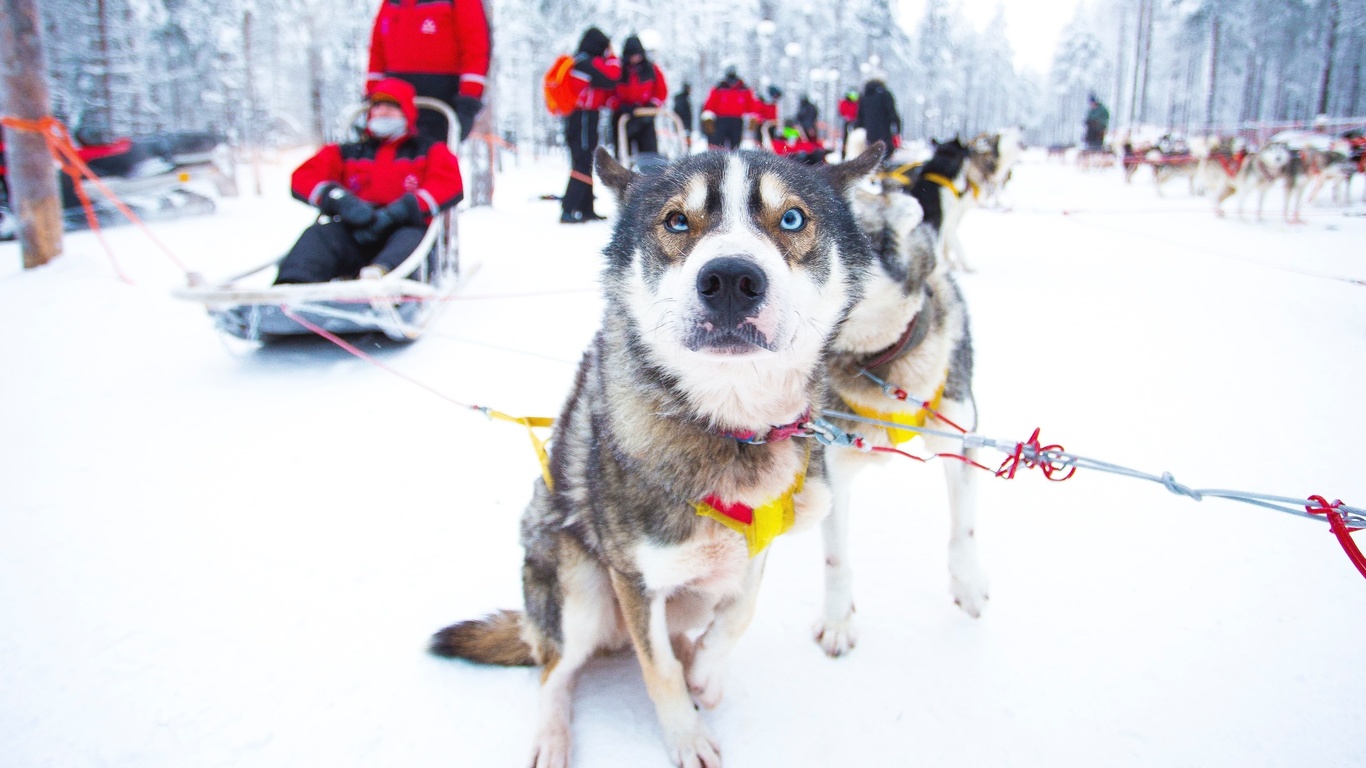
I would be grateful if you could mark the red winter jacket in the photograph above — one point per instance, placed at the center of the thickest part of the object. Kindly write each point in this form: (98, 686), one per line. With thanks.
(765, 111)
(599, 76)
(635, 93)
(848, 109)
(381, 172)
(730, 100)
(448, 39)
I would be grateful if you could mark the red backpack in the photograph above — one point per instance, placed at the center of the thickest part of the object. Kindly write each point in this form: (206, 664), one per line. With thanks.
(562, 89)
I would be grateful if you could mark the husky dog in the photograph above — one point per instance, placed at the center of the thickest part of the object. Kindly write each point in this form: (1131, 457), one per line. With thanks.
(1221, 171)
(1275, 164)
(909, 332)
(1174, 157)
(996, 155)
(948, 184)
(727, 274)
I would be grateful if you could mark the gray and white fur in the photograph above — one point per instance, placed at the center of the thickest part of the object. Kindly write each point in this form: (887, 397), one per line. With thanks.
(727, 275)
(907, 286)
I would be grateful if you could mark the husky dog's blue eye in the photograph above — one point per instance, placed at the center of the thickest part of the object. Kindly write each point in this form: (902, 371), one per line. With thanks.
(793, 220)
(676, 222)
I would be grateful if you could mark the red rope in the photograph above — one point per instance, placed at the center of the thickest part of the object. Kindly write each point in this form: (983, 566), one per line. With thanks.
(1339, 527)
(1049, 468)
(69, 158)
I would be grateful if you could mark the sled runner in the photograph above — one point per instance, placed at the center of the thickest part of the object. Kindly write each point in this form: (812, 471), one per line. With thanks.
(400, 304)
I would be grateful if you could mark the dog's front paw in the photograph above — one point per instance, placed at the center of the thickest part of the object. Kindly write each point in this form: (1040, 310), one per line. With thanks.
(967, 581)
(694, 748)
(552, 747)
(836, 636)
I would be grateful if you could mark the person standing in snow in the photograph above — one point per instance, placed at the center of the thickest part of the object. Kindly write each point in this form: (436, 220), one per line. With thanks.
(1097, 122)
(442, 48)
(877, 115)
(376, 196)
(683, 108)
(598, 71)
(807, 116)
(641, 86)
(723, 113)
(848, 111)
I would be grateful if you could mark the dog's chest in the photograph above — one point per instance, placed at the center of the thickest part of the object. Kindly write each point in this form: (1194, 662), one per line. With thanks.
(714, 560)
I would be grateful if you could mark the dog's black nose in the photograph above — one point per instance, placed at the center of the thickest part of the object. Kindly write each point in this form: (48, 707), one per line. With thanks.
(732, 287)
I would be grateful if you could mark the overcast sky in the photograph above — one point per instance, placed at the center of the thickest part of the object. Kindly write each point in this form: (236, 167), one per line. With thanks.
(1032, 27)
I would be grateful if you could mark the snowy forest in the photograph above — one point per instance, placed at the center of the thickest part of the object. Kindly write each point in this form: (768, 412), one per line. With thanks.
(277, 72)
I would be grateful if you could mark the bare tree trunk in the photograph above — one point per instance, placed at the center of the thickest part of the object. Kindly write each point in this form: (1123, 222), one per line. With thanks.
(1138, 59)
(1213, 69)
(23, 87)
(250, 136)
(1147, 63)
(103, 44)
(1121, 64)
(485, 126)
(1334, 15)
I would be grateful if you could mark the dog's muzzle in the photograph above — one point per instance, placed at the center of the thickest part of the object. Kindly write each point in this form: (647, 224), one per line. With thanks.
(731, 291)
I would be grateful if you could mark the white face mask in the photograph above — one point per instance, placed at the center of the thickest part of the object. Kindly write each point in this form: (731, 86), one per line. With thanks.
(387, 127)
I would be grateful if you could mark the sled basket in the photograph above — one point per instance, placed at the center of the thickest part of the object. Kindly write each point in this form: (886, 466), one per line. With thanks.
(401, 304)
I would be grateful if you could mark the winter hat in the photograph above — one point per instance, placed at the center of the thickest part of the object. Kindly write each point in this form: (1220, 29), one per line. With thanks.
(594, 42)
(394, 91)
(632, 47)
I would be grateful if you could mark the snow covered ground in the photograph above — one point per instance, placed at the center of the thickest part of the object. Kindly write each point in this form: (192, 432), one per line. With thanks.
(218, 556)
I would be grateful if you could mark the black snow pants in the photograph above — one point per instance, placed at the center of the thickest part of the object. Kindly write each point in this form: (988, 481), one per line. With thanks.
(581, 135)
(327, 250)
(728, 133)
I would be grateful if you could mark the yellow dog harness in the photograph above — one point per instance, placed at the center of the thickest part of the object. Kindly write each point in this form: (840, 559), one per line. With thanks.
(912, 419)
(759, 525)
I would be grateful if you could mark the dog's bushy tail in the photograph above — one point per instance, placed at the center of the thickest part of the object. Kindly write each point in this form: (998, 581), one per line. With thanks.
(494, 639)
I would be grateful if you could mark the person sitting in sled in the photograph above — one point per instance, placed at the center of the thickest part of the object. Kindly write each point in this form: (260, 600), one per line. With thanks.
(376, 196)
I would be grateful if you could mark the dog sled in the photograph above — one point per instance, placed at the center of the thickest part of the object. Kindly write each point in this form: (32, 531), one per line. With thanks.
(153, 174)
(400, 304)
(670, 132)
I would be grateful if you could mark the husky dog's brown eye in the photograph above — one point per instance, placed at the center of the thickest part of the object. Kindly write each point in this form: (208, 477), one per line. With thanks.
(793, 220)
(676, 222)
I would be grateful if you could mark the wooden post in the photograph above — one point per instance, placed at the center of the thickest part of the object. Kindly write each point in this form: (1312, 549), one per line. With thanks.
(28, 165)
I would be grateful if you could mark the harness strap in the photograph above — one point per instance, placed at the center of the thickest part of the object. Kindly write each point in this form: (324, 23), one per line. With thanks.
(759, 525)
(900, 173)
(944, 182)
(916, 418)
(530, 422)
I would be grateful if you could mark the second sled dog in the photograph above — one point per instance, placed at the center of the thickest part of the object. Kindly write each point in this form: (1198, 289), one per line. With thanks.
(904, 356)
(671, 468)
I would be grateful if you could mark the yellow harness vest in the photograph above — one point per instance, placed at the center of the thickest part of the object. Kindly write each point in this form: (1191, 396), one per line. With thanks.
(915, 419)
(759, 525)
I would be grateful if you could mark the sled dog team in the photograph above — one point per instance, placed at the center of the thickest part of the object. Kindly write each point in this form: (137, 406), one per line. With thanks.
(1296, 162)
(745, 294)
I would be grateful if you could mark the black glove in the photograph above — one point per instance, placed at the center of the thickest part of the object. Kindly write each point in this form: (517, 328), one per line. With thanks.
(353, 211)
(466, 108)
(404, 211)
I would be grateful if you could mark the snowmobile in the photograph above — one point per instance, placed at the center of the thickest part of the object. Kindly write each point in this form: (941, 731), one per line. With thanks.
(672, 138)
(400, 304)
(148, 173)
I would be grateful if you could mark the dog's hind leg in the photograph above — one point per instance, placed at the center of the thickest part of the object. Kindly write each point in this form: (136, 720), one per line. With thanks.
(967, 579)
(689, 743)
(835, 629)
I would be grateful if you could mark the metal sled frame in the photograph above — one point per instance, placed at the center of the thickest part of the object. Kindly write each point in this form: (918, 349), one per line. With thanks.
(669, 130)
(401, 304)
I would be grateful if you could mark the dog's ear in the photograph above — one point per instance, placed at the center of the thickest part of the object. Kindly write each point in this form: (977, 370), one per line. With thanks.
(616, 176)
(844, 176)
